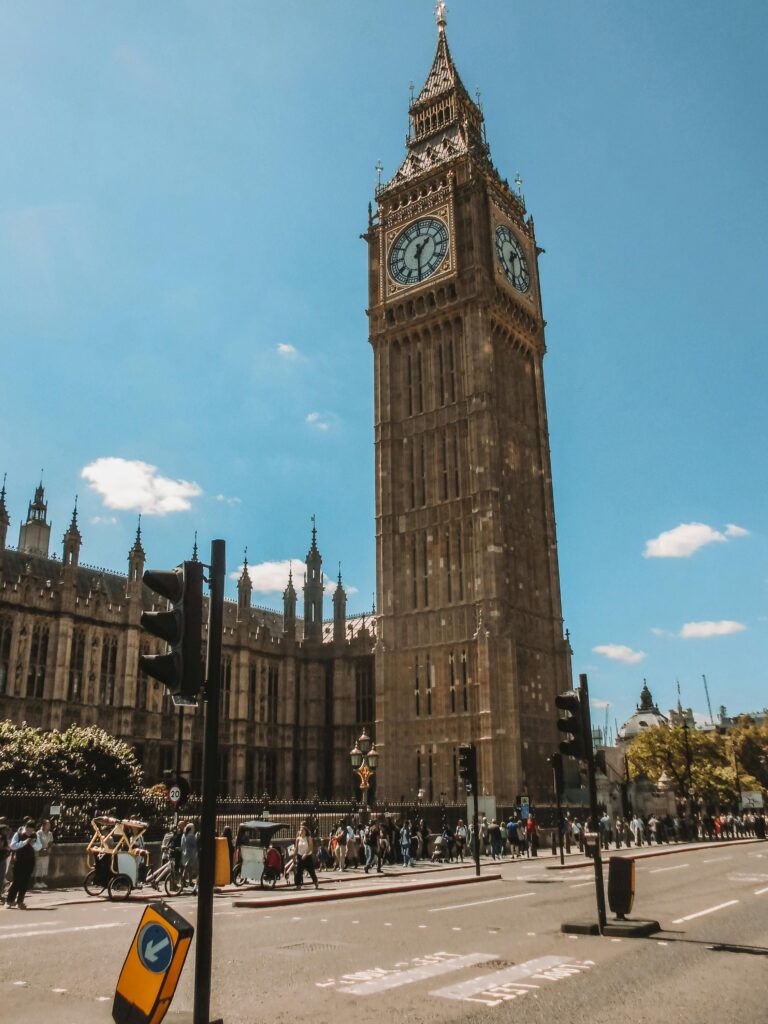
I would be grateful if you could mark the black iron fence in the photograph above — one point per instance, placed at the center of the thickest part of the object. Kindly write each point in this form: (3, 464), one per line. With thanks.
(71, 815)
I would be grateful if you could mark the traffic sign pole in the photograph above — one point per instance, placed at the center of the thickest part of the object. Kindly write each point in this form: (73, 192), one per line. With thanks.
(204, 948)
(593, 814)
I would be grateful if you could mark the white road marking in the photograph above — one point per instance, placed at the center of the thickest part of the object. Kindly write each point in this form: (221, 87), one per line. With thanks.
(478, 903)
(21, 984)
(27, 924)
(760, 892)
(368, 983)
(716, 860)
(61, 931)
(580, 885)
(507, 984)
(58, 990)
(701, 913)
(675, 867)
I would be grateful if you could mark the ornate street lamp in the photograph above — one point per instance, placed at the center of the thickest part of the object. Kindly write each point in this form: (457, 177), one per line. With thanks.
(364, 759)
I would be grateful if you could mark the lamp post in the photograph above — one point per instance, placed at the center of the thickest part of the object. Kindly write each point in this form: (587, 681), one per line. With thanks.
(364, 759)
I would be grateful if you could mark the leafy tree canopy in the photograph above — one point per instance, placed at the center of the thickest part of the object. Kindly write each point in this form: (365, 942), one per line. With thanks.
(80, 760)
(712, 764)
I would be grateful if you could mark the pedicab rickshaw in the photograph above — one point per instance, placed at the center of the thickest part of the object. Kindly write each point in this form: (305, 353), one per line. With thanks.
(257, 858)
(117, 859)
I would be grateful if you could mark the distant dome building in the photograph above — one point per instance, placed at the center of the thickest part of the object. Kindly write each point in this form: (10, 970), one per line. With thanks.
(646, 716)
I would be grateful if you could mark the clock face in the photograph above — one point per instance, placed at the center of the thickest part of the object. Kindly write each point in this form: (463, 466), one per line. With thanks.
(511, 259)
(418, 251)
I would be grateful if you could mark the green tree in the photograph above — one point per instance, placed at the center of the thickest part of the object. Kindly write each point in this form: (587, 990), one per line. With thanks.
(80, 760)
(716, 766)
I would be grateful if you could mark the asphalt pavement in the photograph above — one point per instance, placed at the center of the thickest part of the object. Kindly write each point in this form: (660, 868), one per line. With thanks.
(453, 952)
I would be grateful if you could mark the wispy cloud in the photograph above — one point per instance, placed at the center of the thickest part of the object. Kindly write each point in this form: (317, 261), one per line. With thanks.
(688, 538)
(320, 421)
(228, 501)
(103, 520)
(599, 705)
(620, 652)
(732, 530)
(287, 351)
(682, 542)
(658, 631)
(702, 630)
(127, 484)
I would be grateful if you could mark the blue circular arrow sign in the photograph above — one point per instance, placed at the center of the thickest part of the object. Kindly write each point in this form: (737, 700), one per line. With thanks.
(155, 948)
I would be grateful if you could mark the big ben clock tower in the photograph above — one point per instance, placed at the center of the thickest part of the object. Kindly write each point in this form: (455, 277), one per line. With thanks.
(471, 645)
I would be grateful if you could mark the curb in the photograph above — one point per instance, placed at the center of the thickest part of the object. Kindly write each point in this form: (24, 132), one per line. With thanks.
(655, 853)
(327, 897)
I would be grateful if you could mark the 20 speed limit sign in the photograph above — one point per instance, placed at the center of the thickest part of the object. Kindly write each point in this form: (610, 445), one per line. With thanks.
(174, 794)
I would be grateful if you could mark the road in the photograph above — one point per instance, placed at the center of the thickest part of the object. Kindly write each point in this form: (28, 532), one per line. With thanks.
(453, 953)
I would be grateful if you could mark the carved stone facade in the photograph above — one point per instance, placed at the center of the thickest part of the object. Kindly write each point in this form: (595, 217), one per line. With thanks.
(471, 645)
(70, 641)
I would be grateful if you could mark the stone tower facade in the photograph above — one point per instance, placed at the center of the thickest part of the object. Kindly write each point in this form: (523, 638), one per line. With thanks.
(470, 633)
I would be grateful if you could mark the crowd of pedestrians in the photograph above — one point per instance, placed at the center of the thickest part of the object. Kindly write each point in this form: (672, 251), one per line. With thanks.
(650, 830)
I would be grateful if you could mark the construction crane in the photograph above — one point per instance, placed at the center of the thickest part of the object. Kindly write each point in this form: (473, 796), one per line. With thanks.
(709, 702)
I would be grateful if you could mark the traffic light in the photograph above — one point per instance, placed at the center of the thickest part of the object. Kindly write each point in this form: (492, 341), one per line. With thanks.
(467, 765)
(180, 669)
(571, 724)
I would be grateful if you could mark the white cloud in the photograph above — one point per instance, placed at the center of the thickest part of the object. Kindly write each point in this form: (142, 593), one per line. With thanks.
(732, 530)
(228, 501)
(725, 627)
(657, 631)
(619, 652)
(287, 351)
(272, 577)
(103, 520)
(127, 484)
(599, 705)
(682, 542)
(318, 421)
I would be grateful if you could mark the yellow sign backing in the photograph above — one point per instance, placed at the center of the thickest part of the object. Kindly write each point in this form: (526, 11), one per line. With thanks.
(152, 968)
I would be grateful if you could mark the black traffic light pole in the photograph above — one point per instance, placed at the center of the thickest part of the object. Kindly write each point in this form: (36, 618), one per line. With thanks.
(557, 780)
(474, 816)
(589, 755)
(203, 952)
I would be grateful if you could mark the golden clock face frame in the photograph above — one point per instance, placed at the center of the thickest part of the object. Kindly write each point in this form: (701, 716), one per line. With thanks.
(512, 259)
(418, 251)
(428, 219)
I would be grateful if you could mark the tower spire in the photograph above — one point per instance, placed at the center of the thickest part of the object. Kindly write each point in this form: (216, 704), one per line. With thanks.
(5, 519)
(194, 550)
(72, 541)
(440, 17)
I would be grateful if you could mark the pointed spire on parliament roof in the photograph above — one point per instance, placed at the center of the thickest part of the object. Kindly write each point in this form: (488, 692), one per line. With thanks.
(137, 548)
(73, 531)
(4, 517)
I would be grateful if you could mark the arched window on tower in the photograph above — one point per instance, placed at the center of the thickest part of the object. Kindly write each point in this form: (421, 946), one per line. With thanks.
(38, 659)
(464, 682)
(76, 666)
(108, 673)
(452, 677)
(6, 629)
(429, 685)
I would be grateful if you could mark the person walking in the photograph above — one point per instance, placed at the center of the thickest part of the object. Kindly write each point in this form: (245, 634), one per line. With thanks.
(189, 855)
(305, 856)
(494, 836)
(5, 855)
(43, 859)
(460, 837)
(24, 847)
(405, 844)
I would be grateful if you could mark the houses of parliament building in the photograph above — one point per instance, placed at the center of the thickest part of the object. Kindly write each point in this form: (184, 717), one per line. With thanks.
(467, 642)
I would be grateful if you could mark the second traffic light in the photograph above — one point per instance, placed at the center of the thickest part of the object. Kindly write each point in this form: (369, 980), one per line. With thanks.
(574, 742)
(468, 766)
(180, 669)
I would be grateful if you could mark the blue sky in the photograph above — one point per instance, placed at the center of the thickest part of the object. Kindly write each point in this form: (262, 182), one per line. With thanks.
(182, 285)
